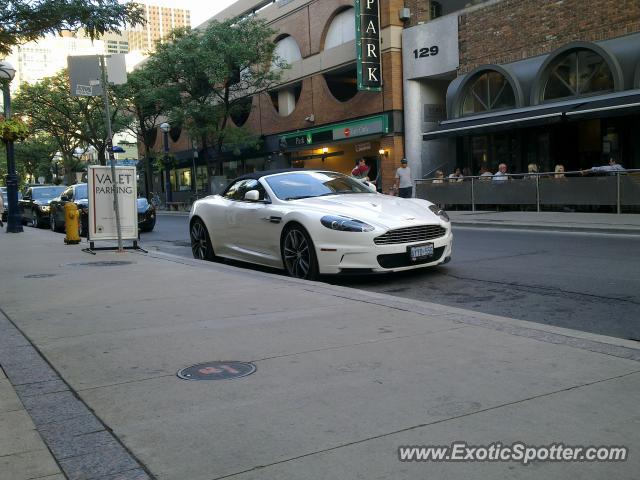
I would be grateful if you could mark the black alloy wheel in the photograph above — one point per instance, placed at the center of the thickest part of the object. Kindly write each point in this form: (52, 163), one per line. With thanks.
(200, 242)
(298, 253)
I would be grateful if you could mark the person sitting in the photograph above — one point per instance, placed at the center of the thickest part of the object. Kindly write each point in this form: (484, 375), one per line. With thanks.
(501, 174)
(559, 171)
(609, 169)
(439, 177)
(456, 176)
(485, 173)
(532, 169)
(361, 170)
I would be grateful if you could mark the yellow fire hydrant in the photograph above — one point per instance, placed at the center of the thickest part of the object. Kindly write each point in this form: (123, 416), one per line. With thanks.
(71, 223)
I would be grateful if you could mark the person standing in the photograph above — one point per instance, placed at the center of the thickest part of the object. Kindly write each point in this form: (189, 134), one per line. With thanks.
(403, 184)
(361, 170)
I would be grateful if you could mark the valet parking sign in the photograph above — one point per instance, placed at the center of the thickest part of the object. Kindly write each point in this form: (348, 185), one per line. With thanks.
(102, 214)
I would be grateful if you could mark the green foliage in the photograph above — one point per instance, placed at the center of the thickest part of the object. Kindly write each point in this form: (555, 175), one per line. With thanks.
(13, 129)
(25, 20)
(209, 74)
(34, 155)
(70, 121)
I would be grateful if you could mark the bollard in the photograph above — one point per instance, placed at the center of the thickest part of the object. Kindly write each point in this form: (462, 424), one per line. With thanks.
(71, 224)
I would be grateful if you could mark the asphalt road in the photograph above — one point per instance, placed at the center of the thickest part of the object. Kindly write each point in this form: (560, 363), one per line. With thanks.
(581, 281)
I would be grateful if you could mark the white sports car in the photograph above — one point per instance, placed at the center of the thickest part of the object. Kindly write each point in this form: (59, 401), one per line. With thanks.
(312, 222)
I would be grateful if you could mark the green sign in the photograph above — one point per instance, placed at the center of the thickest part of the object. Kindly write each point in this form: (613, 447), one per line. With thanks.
(368, 45)
(377, 124)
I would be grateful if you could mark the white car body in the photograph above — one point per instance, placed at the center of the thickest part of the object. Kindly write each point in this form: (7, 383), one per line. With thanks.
(251, 231)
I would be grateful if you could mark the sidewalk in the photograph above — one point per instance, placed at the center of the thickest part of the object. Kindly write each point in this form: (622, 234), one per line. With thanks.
(625, 224)
(344, 377)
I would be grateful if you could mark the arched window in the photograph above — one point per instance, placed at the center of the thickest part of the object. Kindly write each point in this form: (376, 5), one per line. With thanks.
(287, 50)
(488, 91)
(342, 29)
(577, 72)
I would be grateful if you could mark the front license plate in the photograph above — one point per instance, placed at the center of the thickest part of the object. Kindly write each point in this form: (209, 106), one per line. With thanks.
(420, 252)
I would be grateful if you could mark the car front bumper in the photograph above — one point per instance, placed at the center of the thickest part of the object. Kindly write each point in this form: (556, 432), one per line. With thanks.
(354, 257)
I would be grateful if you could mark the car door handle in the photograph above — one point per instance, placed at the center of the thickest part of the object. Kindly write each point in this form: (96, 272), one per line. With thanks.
(272, 219)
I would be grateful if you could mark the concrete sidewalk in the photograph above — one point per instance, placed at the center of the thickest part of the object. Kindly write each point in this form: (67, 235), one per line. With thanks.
(609, 223)
(344, 377)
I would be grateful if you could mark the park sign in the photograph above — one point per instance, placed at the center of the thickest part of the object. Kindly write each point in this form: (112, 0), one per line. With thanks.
(102, 215)
(369, 64)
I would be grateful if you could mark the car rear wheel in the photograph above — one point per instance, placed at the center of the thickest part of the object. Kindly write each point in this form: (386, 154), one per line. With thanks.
(200, 241)
(298, 253)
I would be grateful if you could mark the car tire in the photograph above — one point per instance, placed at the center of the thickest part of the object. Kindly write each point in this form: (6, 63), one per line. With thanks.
(201, 246)
(35, 220)
(298, 253)
(52, 222)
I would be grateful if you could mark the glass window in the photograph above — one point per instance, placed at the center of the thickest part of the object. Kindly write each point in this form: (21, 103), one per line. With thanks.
(342, 29)
(292, 186)
(47, 192)
(287, 49)
(201, 178)
(579, 72)
(81, 192)
(489, 91)
(183, 178)
(238, 189)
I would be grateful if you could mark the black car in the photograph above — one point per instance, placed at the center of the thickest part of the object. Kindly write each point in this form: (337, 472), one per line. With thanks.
(146, 215)
(5, 200)
(34, 205)
(75, 193)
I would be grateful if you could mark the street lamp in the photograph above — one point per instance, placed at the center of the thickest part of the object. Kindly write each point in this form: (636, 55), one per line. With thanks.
(165, 127)
(14, 222)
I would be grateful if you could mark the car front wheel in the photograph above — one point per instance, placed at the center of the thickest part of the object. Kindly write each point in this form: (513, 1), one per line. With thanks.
(201, 246)
(298, 253)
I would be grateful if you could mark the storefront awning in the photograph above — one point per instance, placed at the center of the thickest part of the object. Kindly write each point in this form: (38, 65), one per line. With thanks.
(613, 106)
(497, 121)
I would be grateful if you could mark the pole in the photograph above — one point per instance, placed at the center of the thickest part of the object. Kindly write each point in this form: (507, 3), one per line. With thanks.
(618, 207)
(107, 113)
(14, 221)
(167, 170)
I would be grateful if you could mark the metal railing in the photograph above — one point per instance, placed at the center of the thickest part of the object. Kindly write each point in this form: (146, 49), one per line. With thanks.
(616, 188)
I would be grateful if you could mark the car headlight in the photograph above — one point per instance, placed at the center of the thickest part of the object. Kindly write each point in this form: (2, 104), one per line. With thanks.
(44, 208)
(345, 224)
(440, 212)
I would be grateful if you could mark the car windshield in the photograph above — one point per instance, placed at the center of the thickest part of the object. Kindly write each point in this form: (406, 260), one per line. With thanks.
(47, 192)
(293, 186)
(81, 192)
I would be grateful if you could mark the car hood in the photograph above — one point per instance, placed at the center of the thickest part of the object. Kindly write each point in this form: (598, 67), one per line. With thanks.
(380, 210)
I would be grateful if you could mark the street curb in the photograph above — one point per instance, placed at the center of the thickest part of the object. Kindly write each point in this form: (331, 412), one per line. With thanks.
(547, 228)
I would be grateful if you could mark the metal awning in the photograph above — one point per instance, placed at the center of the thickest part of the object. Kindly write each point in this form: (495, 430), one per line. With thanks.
(622, 105)
(613, 104)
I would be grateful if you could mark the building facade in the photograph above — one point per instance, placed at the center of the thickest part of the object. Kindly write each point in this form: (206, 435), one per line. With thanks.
(316, 117)
(159, 22)
(524, 82)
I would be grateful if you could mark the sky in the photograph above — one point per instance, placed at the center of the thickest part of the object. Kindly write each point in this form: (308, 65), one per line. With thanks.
(201, 10)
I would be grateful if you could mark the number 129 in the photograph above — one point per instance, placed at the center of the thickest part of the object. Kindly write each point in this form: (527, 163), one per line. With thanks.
(426, 52)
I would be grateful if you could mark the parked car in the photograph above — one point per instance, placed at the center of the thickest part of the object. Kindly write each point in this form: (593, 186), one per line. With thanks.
(34, 205)
(5, 200)
(75, 193)
(312, 222)
(146, 215)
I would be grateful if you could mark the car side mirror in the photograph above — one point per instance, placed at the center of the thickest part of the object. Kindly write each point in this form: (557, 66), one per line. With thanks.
(252, 195)
(64, 198)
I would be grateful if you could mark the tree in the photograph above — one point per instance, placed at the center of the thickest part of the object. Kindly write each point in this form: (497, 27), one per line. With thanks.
(145, 108)
(34, 155)
(25, 20)
(210, 75)
(71, 121)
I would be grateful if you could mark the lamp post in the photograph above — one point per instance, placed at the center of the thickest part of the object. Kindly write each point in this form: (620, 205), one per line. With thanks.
(165, 127)
(14, 223)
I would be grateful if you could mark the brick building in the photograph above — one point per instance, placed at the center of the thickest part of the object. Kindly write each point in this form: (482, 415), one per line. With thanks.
(521, 82)
(316, 117)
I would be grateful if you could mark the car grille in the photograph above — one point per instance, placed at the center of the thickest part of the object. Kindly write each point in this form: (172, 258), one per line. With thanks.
(397, 260)
(418, 233)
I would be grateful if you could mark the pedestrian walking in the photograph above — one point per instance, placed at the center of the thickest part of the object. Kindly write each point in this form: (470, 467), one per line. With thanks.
(403, 183)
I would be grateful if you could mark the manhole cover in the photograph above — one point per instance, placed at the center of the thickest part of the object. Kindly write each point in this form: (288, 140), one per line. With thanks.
(104, 263)
(40, 275)
(217, 371)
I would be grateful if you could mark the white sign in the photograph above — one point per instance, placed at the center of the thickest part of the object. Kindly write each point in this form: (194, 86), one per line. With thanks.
(102, 215)
(430, 49)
